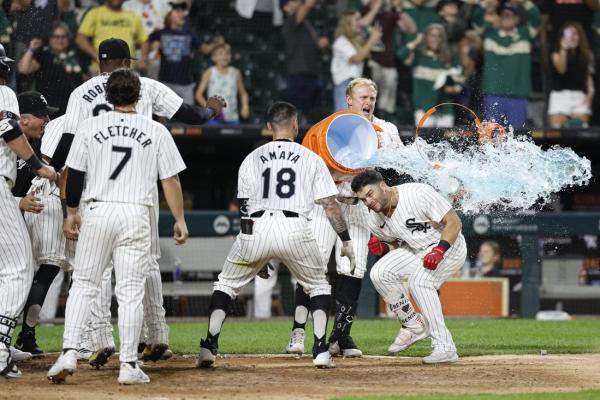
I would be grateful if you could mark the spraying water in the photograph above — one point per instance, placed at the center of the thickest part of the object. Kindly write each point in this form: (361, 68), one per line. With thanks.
(512, 175)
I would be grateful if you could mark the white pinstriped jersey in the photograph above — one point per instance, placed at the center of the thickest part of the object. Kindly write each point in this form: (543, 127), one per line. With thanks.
(52, 133)
(122, 154)
(89, 100)
(416, 219)
(284, 175)
(8, 159)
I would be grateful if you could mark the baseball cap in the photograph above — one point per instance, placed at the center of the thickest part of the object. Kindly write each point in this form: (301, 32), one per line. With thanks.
(34, 103)
(178, 5)
(114, 49)
(508, 6)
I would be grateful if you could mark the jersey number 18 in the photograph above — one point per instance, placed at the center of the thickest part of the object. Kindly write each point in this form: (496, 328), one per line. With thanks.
(286, 183)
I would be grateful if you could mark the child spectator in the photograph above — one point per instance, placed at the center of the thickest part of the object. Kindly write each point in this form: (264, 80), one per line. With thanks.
(572, 86)
(507, 65)
(435, 75)
(226, 81)
(177, 44)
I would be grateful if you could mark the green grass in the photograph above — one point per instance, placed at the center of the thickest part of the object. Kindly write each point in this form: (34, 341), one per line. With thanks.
(583, 395)
(472, 337)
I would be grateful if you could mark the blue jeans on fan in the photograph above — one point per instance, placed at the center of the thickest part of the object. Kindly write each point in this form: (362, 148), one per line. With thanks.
(505, 110)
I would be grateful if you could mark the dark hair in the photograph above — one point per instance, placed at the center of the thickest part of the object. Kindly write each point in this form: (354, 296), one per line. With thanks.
(123, 87)
(367, 177)
(281, 114)
(582, 54)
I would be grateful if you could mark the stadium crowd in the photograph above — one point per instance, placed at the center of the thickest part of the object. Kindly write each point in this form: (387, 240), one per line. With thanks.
(521, 62)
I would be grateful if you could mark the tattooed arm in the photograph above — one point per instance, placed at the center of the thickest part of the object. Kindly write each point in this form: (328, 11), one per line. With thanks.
(337, 221)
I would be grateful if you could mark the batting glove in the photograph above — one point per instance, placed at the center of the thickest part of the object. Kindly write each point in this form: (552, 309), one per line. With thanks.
(434, 257)
(348, 251)
(377, 247)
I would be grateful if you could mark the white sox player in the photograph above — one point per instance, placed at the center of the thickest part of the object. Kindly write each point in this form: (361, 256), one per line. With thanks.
(418, 233)
(16, 261)
(361, 96)
(89, 100)
(121, 154)
(278, 185)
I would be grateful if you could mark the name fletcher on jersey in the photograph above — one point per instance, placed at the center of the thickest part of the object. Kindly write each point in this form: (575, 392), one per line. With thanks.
(124, 131)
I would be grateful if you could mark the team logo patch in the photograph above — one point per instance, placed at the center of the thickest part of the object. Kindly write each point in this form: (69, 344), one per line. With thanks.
(417, 226)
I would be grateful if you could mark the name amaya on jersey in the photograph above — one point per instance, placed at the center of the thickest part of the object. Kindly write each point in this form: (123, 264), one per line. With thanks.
(284, 175)
(122, 154)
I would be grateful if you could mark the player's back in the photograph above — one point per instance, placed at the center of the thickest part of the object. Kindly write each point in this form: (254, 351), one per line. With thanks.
(9, 109)
(283, 175)
(121, 152)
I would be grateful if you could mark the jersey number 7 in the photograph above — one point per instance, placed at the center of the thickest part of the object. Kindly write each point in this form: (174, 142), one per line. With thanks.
(126, 157)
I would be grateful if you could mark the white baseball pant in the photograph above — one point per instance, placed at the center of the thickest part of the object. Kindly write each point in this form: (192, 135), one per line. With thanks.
(403, 263)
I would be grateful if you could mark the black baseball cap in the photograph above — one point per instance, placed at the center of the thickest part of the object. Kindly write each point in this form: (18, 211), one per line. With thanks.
(182, 5)
(114, 49)
(34, 103)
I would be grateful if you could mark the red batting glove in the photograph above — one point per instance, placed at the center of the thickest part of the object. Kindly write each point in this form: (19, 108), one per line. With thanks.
(377, 248)
(433, 258)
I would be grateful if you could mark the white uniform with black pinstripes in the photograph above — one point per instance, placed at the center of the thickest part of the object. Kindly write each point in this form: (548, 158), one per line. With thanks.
(122, 155)
(278, 176)
(16, 261)
(47, 239)
(88, 100)
(355, 215)
(416, 223)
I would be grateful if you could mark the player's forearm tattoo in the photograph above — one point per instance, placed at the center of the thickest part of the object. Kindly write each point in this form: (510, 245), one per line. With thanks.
(334, 214)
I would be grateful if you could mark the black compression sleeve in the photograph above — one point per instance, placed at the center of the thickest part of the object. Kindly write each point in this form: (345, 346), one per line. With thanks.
(243, 207)
(62, 151)
(12, 132)
(74, 187)
(193, 115)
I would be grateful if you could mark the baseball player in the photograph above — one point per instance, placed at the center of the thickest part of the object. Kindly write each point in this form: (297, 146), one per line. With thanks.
(278, 184)
(361, 95)
(16, 262)
(89, 100)
(418, 233)
(120, 153)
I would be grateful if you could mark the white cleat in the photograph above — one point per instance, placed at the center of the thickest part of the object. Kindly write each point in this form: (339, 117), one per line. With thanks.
(8, 369)
(296, 344)
(129, 375)
(18, 355)
(347, 348)
(63, 367)
(407, 337)
(84, 354)
(324, 360)
(440, 357)
(207, 356)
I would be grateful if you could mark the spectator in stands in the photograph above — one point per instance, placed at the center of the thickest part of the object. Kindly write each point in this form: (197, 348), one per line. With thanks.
(55, 67)
(383, 61)
(507, 65)
(6, 29)
(227, 81)
(423, 12)
(259, 16)
(68, 15)
(177, 45)
(303, 55)
(485, 14)
(556, 13)
(572, 86)
(350, 51)
(436, 77)
(107, 21)
(152, 12)
(489, 260)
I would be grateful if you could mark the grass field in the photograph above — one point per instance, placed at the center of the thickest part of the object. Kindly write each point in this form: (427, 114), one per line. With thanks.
(472, 337)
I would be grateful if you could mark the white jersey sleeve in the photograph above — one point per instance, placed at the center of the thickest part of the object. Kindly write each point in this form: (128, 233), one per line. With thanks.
(389, 137)
(435, 206)
(78, 154)
(8, 102)
(246, 179)
(170, 162)
(323, 183)
(165, 102)
(52, 134)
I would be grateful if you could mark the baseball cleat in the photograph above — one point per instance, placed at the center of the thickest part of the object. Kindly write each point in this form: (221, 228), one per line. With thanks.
(130, 375)
(8, 369)
(296, 344)
(207, 356)
(18, 355)
(84, 354)
(407, 337)
(324, 360)
(441, 356)
(346, 347)
(157, 352)
(26, 342)
(63, 367)
(100, 358)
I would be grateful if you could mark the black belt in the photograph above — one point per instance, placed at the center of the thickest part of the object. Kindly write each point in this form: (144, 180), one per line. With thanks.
(289, 214)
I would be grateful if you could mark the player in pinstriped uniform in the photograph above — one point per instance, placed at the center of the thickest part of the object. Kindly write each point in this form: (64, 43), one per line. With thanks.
(16, 261)
(119, 154)
(419, 236)
(361, 95)
(278, 185)
(89, 100)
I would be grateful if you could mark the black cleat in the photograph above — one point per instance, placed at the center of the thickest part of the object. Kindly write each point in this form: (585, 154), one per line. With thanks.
(100, 358)
(208, 354)
(26, 342)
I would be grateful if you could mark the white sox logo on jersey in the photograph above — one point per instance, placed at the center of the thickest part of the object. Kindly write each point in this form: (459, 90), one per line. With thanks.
(416, 226)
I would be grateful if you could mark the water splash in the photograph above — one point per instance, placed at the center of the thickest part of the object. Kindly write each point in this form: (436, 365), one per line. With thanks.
(510, 176)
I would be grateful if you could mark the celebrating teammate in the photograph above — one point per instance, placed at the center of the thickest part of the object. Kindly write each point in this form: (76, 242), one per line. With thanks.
(16, 266)
(120, 153)
(278, 184)
(361, 95)
(418, 233)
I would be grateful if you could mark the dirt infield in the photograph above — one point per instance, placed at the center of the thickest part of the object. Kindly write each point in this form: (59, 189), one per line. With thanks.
(284, 377)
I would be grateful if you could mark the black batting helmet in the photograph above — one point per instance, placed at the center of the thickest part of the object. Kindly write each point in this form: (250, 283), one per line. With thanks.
(5, 62)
